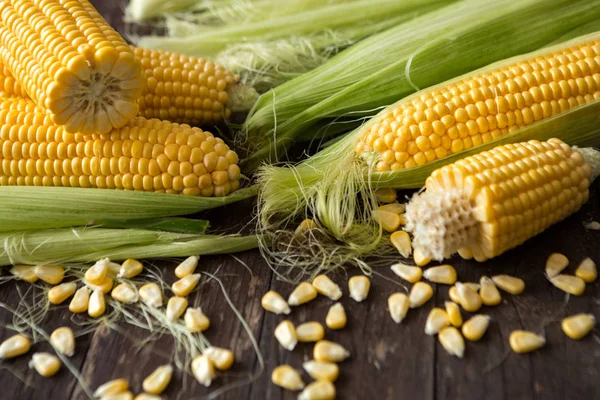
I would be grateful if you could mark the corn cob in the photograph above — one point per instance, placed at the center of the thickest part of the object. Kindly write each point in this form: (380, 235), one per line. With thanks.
(71, 62)
(486, 204)
(144, 155)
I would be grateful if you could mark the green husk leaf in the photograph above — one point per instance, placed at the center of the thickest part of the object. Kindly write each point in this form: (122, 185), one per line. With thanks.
(171, 224)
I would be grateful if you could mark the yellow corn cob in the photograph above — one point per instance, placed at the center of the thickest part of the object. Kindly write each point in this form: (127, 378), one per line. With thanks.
(478, 109)
(145, 155)
(493, 201)
(71, 62)
(8, 85)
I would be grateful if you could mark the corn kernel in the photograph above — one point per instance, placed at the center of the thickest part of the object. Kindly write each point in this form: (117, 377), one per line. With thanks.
(127, 395)
(151, 295)
(273, 302)
(24, 273)
(222, 358)
(203, 370)
(97, 304)
(398, 303)
(45, 364)
(305, 226)
(97, 272)
(509, 284)
(587, 270)
(285, 333)
(436, 321)
(157, 381)
(52, 274)
(474, 328)
(445, 274)
(420, 259)
(336, 317)
(112, 387)
(287, 377)
(113, 269)
(359, 287)
(106, 285)
(176, 307)
(147, 396)
(489, 293)
(420, 294)
(325, 350)
(452, 341)
(453, 312)
(401, 241)
(407, 272)
(467, 298)
(130, 268)
(310, 332)
(327, 287)
(185, 285)
(395, 208)
(578, 326)
(187, 267)
(63, 341)
(322, 370)
(124, 293)
(385, 195)
(318, 390)
(524, 342)
(14, 346)
(80, 301)
(389, 221)
(196, 320)
(555, 264)
(61, 292)
(569, 284)
(303, 293)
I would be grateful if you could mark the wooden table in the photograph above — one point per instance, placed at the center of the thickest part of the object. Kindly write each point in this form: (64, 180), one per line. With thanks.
(388, 360)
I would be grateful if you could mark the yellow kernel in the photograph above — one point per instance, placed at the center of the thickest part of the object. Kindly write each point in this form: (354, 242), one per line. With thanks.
(286, 335)
(187, 267)
(452, 341)
(222, 358)
(318, 390)
(61, 292)
(395, 208)
(407, 272)
(358, 287)
(489, 293)
(304, 226)
(24, 272)
(579, 325)
(310, 332)
(401, 241)
(336, 317)
(419, 294)
(130, 268)
(509, 284)
(80, 301)
(115, 386)
(52, 274)
(14, 346)
(273, 302)
(176, 307)
(63, 341)
(196, 320)
(185, 285)
(445, 274)
(555, 264)
(327, 287)
(45, 364)
(420, 259)
(474, 328)
(385, 195)
(453, 312)
(587, 270)
(524, 341)
(303, 293)
(203, 370)
(325, 350)
(97, 272)
(151, 295)
(106, 285)
(158, 380)
(124, 293)
(570, 284)
(468, 299)
(436, 320)
(286, 377)
(97, 304)
(147, 396)
(113, 269)
(322, 370)
(398, 304)
(389, 221)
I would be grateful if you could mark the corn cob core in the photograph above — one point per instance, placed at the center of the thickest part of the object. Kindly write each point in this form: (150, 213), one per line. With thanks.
(145, 155)
(71, 62)
(486, 204)
(476, 110)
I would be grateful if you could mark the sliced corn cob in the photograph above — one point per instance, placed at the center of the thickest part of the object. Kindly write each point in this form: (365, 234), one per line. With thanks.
(144, 155)
(496, 200)
(71, 62)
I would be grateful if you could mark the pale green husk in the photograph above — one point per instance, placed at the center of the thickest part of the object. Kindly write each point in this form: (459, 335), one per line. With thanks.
(388, 66)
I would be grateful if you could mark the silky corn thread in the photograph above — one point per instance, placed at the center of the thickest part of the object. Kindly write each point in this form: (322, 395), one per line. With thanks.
(578, 326)
(327, 287)
(63, 341)
(336, 317)
(303, 293)
(287, 377)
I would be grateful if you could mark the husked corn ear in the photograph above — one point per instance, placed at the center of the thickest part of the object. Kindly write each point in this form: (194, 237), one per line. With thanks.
(482, 107)
(97, 272)
(286, 335)
(203, 370)
(452, 341)
(114, 386)
(322, 370)
(157, 381)
(304, 226)
(185, 285)
(587, 270)
(303, 293)
(336, 317)
(358, 287)
(45, 364)
(176, 307)
(468, 298)
(318, 390)
(187, 267)
(195, 320)
(62, 292)
(24, 272)
(509, 284)
(327, 287)
(385, 195)
(401, 241)
(273, 302)
(63, 341)
(389, 221)
(151, 295)
(420, 258)
(310, 332)
(579, 325)
(398, 304)
(52, 274)
(420, 294)
(436, 321)
(475, 327)
(130, 268)
(14, 346)
(287, 377)
(453, 312)
(80, 301)
(8, 85)
(568, 283)
(97, 304)
(445, 274)
(555, 263)
(407, 272)
(125, 293)
(144, 155)
(106, 285)
(489, 293)
(524, 341)
(222, 358)
(325, 350)
(493, 201)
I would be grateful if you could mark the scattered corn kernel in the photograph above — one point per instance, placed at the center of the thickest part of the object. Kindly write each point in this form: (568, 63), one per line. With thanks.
(587, 270)
(14, 346)
(176, 307)
(407, 272)
(524, 341)
(125, 293)
(185, 285)
(489, 293)
(327, 287)
(569, 284)
(385, 195)
(127, 395)
(310, 332)
(336, 317)
(474, 328)
(303, 293)
(97, 304)
(452, 341)
(203, 370)
(579, 325)
(222, 358)
(113, 269)
(398, 303)
(151, 295)
(420, 258)
(285, 333)
(62, 292)
(453, 294)
(401, 241)
(157, 381)
(389, 221)
(287, 377)
(63, 341)
(106, 285)
(509, 284)
(52, 274)
(593, 226)
(97, 272)
(24, 272)
(420, 294)
(273, 302)
(325, 350)
(147, 396)
(305, 226)
(45, 364)
(187, 267)
(318, 390)
(359, 286)
(112, 387)
(436, 321)
(322, 370)
(453, 312)
(130, 268)
(196, 320)
(468, 299)
(445, 274)
(396, 208)
(80, 301)
(555, 264)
